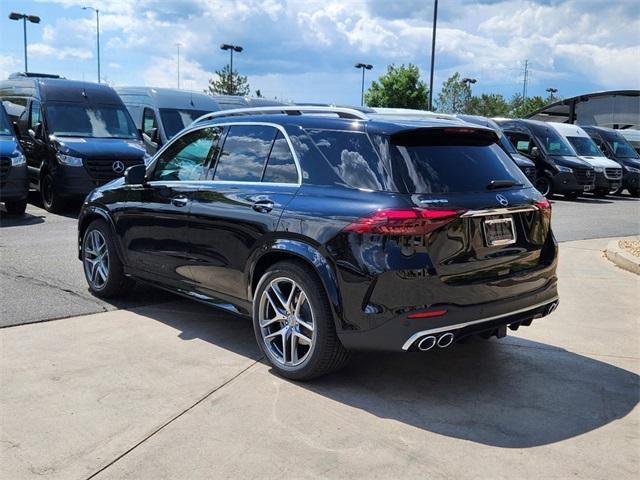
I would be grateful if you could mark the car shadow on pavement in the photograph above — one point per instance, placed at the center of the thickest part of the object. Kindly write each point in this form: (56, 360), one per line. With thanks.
(510, 393)
(7, 220)
(586, 200)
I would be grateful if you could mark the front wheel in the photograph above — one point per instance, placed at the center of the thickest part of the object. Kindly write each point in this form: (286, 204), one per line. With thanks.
(293, 323)
(51, 199)
(635, 192)
(102, 267)
(544, 184)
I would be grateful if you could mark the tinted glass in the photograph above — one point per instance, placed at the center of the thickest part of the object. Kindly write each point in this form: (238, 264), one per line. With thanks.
(585, 146)
(619, 145)
(35, 114)
(14, 107)
(506, 144)
(281, 167)
(551, 141)
(352, 157)
(451, 168)
(186, 158)
(174, 120)
(148, 121)
(98, 121)
(5, 126)
(245, 153)
(521, 141)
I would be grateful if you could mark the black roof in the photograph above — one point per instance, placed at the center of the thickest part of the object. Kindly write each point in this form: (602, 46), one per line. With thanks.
(61, 90)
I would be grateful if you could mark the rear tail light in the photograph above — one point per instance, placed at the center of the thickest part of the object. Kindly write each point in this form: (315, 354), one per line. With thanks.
(545, 207)
(411, 221)
(428, 314)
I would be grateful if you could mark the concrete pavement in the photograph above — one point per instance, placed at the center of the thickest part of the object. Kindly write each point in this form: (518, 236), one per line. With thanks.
(176, 392)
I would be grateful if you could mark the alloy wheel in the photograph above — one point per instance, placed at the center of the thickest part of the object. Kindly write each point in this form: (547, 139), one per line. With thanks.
(96, 259)
(286, 322)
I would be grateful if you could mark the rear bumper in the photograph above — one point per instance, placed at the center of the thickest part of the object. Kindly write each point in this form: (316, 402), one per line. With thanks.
(402, 333)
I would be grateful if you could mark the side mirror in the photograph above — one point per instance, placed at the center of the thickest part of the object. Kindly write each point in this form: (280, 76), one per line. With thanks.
(16, 129)
(535, 153)
(36, 133)
(153, 137)
(136, 175)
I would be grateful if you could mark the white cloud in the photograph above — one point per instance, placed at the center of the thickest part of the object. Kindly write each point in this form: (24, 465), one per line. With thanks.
(10, 64)
(44, 50)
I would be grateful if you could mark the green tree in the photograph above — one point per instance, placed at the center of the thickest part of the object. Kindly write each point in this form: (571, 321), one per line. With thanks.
(228, 83)
(454, 96)
(520, 109)
(399, 87)
(489, 105)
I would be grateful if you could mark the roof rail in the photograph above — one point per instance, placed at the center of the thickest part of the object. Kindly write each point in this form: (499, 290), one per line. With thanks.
(341, 112)
(32, 75)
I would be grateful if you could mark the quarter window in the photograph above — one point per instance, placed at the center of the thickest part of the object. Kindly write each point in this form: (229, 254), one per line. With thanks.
(281, 167)
(186, 158)
(245, 152)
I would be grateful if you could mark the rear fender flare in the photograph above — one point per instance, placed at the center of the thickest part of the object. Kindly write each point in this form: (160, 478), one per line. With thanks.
(307, 253)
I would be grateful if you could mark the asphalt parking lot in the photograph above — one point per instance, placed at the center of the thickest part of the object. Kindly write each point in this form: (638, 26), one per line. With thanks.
(159, 387)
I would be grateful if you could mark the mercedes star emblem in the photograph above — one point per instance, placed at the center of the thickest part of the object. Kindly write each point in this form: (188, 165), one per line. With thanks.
(117, 166)
(502, 200)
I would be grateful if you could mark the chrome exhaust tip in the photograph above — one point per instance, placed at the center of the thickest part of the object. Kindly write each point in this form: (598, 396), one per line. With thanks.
(552, 308)
(445, 340)
(427, 343)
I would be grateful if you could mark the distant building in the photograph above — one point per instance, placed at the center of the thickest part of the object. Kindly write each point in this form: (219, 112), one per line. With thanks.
(618, 109)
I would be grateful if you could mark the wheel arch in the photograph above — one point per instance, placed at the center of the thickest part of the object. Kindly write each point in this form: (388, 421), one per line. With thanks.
(296, 250)
(89, 215)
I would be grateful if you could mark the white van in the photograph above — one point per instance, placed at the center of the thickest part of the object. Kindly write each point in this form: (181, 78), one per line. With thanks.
(608, 172)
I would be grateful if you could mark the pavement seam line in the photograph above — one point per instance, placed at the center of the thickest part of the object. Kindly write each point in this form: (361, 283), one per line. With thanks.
(173, 419)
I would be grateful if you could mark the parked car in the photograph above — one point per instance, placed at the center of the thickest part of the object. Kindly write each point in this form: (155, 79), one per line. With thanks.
(524, 163)
(333, 229)
(14, 182)
(559, 168)
(615, 146)
(160, 113)
(75, 135)
(608, 173)
(632, 136)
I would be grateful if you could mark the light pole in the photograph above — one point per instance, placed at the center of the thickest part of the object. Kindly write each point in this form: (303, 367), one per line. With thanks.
(24, 17)
(178, 45)
(433, 52)
(97, 35)
(552, 91)
(363, 66)
(469, 81)
(231, 48)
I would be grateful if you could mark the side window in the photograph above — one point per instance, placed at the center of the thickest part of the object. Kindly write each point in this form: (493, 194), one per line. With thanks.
(521, 141)
(14, 107)
(34, 116)
(186, 158)
(352, 157)
(281, 167)
(148, 121)
(245, 153)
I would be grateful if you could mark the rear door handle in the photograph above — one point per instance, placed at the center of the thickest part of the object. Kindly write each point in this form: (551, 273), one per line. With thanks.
(263, 206)
(179, 201)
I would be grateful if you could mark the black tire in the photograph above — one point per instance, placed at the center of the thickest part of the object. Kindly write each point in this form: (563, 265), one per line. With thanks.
(616, 192)
(51, 199)
(544, 184)
(16, 207)
(572, 195)
(116, 284)
(601, 192)
(327, 353)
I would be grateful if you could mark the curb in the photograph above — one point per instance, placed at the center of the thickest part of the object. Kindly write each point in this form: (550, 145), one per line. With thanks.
(622, 258)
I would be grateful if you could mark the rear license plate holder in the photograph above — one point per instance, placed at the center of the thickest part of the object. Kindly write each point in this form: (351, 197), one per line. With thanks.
(499, 231)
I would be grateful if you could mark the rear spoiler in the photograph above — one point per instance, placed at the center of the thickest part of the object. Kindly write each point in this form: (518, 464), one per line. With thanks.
(441, 136)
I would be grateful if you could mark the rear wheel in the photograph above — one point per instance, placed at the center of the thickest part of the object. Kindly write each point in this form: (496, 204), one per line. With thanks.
(544, 184)
(293, 323)
(102, 267)
(51, 199)
(16, 207)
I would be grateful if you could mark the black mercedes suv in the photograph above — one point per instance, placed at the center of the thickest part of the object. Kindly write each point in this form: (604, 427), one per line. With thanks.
(333, 229)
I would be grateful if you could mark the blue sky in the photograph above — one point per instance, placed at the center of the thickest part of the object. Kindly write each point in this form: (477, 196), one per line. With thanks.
(304, 50)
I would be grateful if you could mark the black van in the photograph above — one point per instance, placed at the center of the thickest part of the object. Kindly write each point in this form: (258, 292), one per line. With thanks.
(559, 168)
(616, 147)
(75, 135)
(14, 183)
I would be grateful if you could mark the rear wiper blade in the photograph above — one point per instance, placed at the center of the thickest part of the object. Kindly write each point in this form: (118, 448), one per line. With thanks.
(495, 184)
